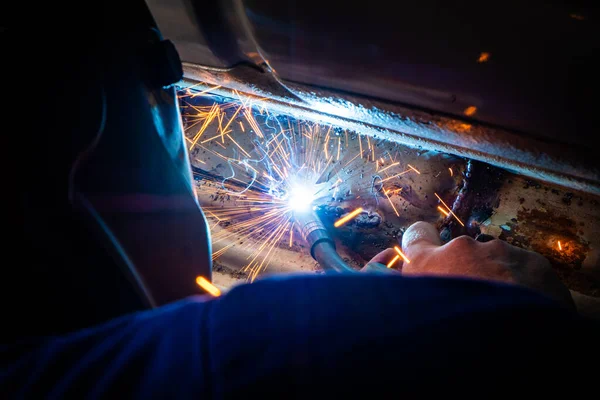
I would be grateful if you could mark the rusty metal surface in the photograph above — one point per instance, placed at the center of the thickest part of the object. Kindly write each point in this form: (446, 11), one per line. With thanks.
(536, 216)
(525, 212)
(575, 167)
(535, 77)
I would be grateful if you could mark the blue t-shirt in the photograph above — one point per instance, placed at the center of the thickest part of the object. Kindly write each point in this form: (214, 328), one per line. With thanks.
(315, 336)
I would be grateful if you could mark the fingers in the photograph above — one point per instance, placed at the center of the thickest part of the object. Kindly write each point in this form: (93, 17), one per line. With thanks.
(378, 269)
(420, 236)
(384, 257)
(383, 262)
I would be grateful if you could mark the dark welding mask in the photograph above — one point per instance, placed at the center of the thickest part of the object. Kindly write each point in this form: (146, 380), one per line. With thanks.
(107, 218)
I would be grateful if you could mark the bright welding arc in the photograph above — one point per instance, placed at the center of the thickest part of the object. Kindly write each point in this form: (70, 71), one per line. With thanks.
(282, 166)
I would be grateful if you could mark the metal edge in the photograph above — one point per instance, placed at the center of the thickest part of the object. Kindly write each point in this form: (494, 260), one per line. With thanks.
(570, 167)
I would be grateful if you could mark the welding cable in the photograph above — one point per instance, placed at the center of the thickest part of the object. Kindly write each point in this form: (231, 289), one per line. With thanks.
(322, 246)
(328, 258)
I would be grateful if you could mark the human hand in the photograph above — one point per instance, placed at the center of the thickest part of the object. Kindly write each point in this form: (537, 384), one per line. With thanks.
(495, 260)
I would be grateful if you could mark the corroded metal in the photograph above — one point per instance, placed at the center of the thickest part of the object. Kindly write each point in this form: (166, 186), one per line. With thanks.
(525, 212)
(573, 167)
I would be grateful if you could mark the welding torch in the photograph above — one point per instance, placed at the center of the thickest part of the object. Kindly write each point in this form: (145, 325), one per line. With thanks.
(322, 246)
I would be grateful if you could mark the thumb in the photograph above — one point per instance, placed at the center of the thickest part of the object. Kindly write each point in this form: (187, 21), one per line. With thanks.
(420, 237)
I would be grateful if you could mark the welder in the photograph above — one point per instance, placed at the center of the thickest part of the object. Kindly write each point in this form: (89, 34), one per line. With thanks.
(462, 318)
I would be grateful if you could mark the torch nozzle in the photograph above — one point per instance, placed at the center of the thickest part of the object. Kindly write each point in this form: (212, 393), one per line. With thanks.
(322, 246)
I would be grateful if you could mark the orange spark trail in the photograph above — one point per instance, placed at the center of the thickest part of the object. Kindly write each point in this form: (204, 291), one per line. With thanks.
(413, 168)
(443, 211)
(212, 114)
(209, 287)
(449, 209)
(401, 254)
(348, 217)
(483, 57)
(395, 176)
(205, 91)
(390, 200)
(390, 166)
(360, 145)
(354, 158)
(249, 209)
(389, 265)
(240, 147)
(470, 111)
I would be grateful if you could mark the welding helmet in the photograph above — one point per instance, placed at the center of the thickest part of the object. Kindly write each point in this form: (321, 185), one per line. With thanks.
(106, 220)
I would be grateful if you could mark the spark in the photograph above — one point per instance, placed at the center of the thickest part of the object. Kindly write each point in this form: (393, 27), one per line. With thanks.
(413, 168)
(240, 147)
(483, 57)
(253, 123)
(354, 158)
(275, 138)
(253, 266)
(470, 111)
(449, 209)
(208, 287)
(231, 119)
(443, 211)
(360, 146)
(248, 184)
(212, 114)
(210, 139)
(347, 217)
(220, 119)
(390, 200)
(390, 166)
(217, 218)
(389, 265)
(373, 150)
(559, 245)
(395, 176)
(222, 251)
(401, 254)
(212, 89)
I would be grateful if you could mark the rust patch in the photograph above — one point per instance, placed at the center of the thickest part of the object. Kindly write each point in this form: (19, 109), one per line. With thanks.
(476, 200)
(237, 274)
(541, 231)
